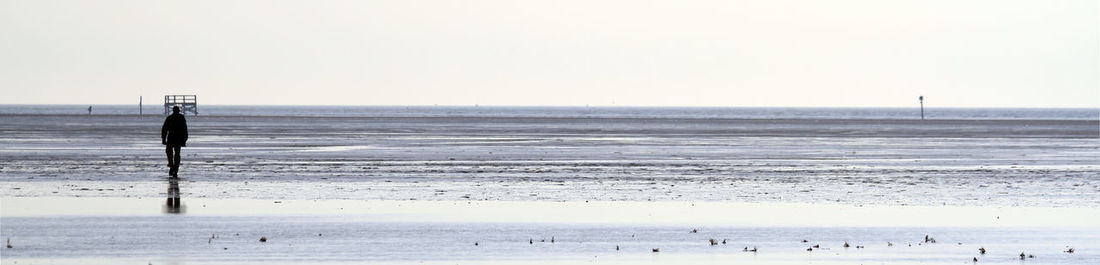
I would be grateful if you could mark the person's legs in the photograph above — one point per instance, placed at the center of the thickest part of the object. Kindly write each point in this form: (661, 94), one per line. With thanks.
(168, 151)
(176, 163)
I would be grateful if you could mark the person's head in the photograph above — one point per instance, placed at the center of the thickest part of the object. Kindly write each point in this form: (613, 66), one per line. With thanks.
(175, 109)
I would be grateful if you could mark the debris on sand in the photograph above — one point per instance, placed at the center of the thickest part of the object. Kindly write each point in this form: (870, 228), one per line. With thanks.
(263, 239)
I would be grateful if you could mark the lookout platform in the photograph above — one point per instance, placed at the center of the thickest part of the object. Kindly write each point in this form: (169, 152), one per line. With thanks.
(187, 103)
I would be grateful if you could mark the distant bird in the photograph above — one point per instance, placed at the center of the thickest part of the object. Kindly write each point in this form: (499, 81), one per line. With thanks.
(9, 244)
(846, 244)
(616, 247)
(723, 241)
(263, 239)
(475, 244)
(753, 249)
(817, 246)
(713, 242)
(656, 250)
(805, 241)
(693, 230)
(552, 239)
(981, 250)
(889, 244)
(1031, 256)
(975, 259)
(1070, 250)
(809, 249)
(531, 241)
(1022, 256)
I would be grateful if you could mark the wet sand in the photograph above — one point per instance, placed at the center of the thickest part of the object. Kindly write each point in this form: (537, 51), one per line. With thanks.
(895, 162)
(78, 189)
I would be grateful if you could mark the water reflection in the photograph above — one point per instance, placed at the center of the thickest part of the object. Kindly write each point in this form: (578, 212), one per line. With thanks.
(173, 204)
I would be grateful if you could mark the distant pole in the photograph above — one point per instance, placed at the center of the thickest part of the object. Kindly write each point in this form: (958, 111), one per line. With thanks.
(921, 98)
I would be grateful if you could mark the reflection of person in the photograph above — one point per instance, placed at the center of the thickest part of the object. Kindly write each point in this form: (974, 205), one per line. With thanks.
(173, 204)
(173, 134)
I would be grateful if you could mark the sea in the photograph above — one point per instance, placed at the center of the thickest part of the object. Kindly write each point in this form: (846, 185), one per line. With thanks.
(580, 112)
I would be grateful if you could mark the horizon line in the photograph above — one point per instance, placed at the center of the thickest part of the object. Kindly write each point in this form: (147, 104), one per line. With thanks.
(558, 106)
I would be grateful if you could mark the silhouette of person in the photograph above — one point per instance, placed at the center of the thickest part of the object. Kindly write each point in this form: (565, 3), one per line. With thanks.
(173, 134)
(89, 110)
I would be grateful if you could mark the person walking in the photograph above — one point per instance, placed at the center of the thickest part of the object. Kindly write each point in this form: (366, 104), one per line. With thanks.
(173, 135)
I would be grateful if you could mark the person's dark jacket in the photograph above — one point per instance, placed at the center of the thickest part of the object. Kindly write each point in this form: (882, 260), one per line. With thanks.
(174, 130)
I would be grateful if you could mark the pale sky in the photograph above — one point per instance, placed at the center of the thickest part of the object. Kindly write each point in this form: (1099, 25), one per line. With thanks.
(996, 53)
